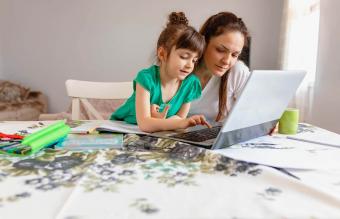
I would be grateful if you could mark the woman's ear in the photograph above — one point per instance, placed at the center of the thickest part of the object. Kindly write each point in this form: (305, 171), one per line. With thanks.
(162, 54)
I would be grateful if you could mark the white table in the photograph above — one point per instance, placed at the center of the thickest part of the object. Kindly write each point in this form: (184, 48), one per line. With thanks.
(154, 178)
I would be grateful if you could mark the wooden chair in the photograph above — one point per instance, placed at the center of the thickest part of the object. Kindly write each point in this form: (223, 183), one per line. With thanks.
(79, 91)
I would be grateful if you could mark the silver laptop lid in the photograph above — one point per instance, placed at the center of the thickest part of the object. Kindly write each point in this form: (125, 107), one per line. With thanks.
(260, 105)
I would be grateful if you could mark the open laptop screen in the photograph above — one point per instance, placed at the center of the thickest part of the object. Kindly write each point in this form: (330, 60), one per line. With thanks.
(260, 105)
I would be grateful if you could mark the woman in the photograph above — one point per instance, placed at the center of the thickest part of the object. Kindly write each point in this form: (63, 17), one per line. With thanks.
(221, 74)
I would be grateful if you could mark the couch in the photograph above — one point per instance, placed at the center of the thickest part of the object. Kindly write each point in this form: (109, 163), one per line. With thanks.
(18, 103)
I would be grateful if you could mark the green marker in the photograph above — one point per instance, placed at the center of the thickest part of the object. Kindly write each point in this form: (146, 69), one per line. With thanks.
(34, 136)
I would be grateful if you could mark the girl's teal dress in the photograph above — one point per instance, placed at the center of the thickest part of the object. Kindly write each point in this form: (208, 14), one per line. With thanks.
(189, 90)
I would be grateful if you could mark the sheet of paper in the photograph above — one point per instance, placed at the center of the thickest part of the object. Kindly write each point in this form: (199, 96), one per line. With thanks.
(322, 136)
(279, 151)
(84, 126)
(23, 127)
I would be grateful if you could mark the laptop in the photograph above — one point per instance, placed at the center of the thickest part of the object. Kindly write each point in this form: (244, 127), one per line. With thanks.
(256, 111)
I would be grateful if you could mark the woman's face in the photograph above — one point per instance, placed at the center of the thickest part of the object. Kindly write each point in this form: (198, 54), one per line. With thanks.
(222, 52)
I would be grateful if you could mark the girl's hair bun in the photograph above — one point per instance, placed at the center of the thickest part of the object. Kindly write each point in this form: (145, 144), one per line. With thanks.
(177, 18)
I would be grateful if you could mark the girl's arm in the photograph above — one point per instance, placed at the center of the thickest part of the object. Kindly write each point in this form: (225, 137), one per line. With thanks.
(192, 120)
(183, 111)
(182, 114)
(144, 120)
(148, 124)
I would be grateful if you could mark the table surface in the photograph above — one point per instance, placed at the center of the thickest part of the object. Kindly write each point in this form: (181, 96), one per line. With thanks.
(158, 178)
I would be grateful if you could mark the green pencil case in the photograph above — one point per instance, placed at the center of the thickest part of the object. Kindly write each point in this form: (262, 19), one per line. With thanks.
(40, 139)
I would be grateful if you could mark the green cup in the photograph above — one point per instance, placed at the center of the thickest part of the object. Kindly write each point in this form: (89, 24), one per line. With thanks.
(289, 120)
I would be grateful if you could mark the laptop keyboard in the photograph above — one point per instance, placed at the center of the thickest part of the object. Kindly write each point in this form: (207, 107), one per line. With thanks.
(199, 135)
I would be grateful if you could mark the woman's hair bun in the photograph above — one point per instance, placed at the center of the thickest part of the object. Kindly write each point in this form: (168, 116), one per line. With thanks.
(178, 18)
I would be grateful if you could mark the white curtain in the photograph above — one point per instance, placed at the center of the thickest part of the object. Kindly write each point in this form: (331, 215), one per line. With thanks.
(299, 43)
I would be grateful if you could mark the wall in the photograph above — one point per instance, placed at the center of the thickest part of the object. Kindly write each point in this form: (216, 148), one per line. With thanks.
(46, 42)
(326, 106)
(2, 76)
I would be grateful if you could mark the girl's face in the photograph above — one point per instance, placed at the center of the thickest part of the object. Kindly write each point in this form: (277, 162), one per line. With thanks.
(222, 52)
(179, 63)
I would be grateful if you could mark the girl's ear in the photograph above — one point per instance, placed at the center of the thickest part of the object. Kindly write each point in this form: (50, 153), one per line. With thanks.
(162, 54)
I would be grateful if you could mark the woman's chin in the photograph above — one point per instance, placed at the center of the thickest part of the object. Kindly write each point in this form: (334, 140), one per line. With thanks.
(218, 72)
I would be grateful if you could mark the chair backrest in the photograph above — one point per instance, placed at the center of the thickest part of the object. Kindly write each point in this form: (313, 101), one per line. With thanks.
(79, 91)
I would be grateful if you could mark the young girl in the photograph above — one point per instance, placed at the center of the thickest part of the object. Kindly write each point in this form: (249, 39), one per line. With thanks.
(162, 94)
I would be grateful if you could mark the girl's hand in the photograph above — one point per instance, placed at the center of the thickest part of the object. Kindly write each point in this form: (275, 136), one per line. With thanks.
(196, 120)
(155, 111)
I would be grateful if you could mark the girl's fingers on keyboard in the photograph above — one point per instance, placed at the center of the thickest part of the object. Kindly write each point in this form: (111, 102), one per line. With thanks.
(192, 121)
(199, 120)
(206, 123)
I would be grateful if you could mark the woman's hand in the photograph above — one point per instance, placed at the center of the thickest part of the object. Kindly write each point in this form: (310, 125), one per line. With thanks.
(271, 132)
(195, 120)
(155, 111)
